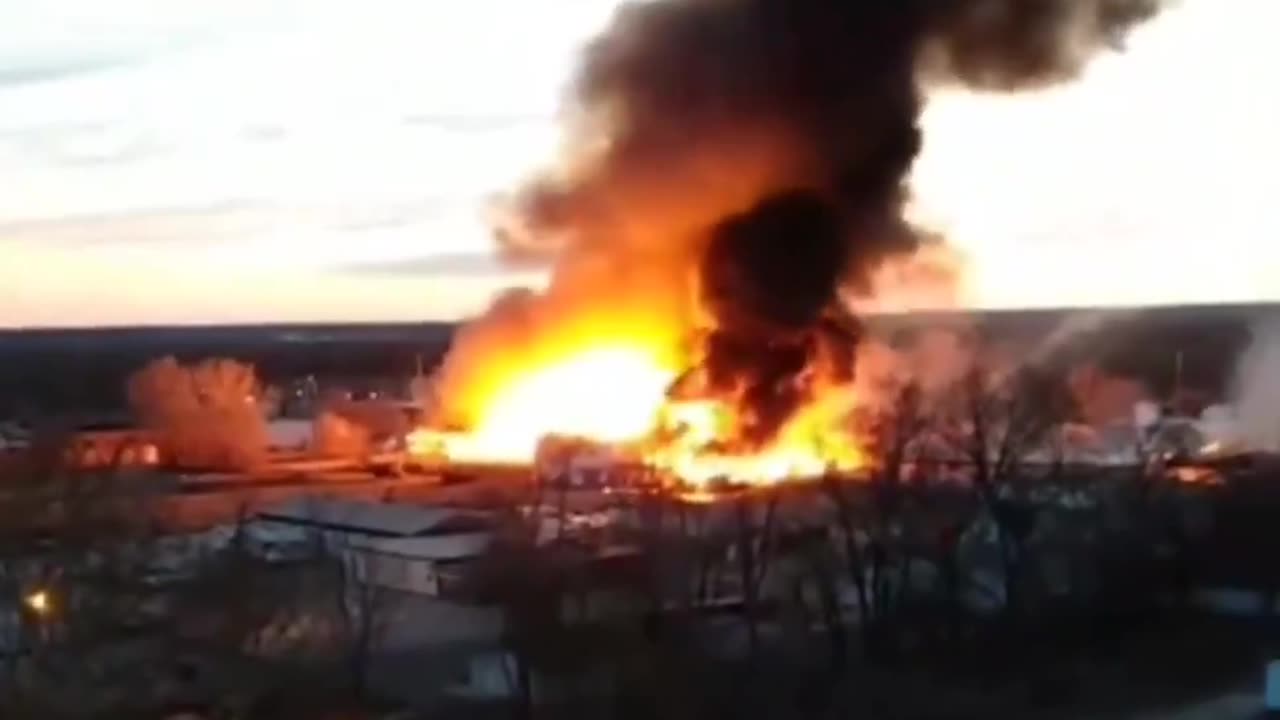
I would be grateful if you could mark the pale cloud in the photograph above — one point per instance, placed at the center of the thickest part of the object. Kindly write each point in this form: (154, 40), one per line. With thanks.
(1150, 181)
(153, 151)
(171, 160)
(139, 288)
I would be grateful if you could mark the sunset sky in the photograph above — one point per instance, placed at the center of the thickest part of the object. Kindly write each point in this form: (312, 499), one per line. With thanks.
(194, 161)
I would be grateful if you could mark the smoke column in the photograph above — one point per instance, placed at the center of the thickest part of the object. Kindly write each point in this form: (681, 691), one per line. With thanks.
(1256, 389)
(740, 164)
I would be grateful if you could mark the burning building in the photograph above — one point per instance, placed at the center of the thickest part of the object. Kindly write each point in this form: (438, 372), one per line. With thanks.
(735, 171)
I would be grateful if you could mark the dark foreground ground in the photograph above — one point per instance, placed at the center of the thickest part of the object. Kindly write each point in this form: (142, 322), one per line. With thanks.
(1172, 668)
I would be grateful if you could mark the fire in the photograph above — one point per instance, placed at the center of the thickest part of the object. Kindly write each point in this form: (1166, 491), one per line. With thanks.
(814, 441)
(702, 229)
(616, 393)
(609, 394)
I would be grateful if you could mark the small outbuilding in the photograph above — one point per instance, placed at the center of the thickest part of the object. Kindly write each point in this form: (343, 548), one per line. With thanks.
(404, 547)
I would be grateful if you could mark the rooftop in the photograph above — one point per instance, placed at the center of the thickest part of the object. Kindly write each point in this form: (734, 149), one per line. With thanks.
(372, 518)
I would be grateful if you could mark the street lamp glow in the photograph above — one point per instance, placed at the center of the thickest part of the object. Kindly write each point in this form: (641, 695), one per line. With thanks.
(39, 602)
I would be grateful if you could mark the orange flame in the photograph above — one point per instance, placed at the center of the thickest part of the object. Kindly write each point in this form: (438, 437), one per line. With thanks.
(613, 390)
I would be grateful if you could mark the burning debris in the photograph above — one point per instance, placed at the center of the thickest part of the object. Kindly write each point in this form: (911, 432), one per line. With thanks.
(736, 168)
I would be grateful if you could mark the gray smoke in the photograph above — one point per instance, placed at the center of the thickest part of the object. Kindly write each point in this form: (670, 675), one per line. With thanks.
(1255, 390)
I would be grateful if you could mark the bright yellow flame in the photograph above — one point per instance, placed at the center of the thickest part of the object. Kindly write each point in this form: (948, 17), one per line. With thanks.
(608, 394)
(810, 443)
(615, 392)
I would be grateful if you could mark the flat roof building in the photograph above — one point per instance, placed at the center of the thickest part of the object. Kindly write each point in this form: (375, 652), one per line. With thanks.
(405, 547)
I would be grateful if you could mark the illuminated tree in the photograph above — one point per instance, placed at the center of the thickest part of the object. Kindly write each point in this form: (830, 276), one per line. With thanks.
(208, 415)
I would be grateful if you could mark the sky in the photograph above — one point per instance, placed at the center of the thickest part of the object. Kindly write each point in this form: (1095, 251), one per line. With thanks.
(202, 161)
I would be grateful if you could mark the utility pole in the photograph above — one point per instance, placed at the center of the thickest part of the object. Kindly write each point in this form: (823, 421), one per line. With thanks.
(1177, 377)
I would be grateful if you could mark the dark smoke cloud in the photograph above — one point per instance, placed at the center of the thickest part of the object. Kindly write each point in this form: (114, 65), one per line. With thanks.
(767, 142)
(754, 280)
(1015, 44)
(768, 297)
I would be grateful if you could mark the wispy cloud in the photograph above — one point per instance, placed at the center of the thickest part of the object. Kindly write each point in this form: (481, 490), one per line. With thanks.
(175, 224)
(446, 265)
(16, 74)
(495, 123)
(288, 152)
(306, 156)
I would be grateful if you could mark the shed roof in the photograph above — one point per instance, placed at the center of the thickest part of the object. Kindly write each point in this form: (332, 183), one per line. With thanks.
(460, 546)
(371, 518)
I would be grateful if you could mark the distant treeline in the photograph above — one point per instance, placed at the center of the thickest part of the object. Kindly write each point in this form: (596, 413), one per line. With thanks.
(70, 371)
(57, 371)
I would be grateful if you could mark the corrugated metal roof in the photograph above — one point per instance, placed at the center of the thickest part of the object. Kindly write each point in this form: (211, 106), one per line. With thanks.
(445, 547)
(385, 519)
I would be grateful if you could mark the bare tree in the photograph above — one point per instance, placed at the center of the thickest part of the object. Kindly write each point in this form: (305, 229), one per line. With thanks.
(208, 415)
(756, 530)
(871, 519)
(996, 419)
(517, 576)
(821, 571)
(118, 615)
(83, 566)
(366, 609)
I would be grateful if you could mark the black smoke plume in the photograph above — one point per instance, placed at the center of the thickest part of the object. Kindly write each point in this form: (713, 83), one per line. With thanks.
(766, 144)
(768, 296)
